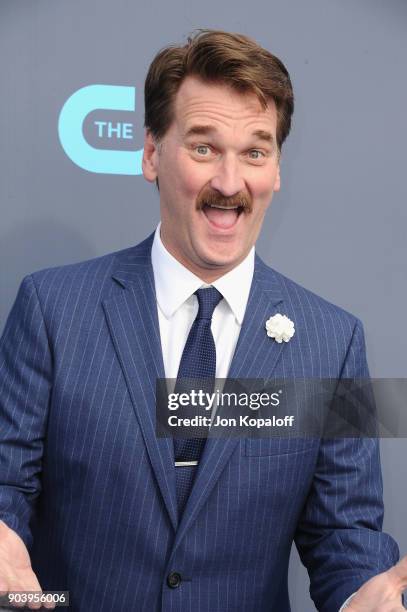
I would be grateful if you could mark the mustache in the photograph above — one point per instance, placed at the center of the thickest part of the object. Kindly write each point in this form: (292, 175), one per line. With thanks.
(214, 198)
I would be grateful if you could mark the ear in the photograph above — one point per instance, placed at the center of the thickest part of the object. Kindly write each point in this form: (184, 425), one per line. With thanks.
(277, 180)
(150, 158)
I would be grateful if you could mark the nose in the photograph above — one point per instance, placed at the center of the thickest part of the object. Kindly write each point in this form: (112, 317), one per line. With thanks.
(228, 179)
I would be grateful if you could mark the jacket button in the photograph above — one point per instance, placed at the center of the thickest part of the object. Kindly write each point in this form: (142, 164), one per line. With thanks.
(174, 580)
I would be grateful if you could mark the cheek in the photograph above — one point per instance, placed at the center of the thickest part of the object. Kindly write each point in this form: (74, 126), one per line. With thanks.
(187, 177)
(262, 190)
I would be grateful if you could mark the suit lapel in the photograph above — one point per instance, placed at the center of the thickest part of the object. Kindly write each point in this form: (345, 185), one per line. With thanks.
(133, 323)
(256, 356)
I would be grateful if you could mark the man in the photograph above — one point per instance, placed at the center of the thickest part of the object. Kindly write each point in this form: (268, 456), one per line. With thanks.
(86, 486)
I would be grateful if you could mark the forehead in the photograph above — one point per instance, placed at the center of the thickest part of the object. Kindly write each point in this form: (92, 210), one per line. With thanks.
(220, 105)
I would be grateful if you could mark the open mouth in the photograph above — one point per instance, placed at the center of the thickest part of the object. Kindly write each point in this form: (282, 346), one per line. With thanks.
(222, 217)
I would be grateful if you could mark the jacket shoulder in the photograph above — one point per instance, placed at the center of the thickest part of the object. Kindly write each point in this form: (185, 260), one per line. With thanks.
(95, 271)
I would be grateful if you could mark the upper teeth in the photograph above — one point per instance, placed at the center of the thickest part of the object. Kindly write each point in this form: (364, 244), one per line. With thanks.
(223, 207)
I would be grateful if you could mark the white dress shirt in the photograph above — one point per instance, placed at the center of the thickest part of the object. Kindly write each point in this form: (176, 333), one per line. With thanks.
(175, 286)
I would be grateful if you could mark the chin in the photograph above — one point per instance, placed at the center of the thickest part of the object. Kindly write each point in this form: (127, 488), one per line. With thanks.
(220, 254)
(222, 260)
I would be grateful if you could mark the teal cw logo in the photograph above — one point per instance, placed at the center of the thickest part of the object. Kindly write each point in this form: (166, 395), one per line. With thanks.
(70, 129)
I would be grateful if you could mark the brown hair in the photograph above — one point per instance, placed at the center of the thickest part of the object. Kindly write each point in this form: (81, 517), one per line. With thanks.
(218, 57)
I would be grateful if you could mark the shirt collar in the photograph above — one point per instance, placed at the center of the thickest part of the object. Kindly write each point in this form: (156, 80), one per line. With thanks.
(174, 283)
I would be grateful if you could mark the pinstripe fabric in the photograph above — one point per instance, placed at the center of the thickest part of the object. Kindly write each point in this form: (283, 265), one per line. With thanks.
(91, 490)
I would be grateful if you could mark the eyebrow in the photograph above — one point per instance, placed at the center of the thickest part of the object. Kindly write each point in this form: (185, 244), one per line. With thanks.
(203, 130)
(264, 135)
(197, 130)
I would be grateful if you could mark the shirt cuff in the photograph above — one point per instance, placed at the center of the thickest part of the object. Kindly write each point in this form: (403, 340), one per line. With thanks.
(345, 603)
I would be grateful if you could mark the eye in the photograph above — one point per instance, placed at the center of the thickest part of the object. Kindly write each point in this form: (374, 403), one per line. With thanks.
(202, 150)
(256, 154)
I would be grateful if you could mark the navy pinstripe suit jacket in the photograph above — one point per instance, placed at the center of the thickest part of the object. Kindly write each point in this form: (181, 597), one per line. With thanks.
(90, 489)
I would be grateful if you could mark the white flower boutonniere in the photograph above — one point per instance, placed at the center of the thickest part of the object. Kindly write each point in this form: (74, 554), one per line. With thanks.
(280, 327)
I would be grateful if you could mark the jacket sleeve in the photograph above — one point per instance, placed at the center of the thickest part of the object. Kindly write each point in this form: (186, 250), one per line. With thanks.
(25, 386)
(339, 537)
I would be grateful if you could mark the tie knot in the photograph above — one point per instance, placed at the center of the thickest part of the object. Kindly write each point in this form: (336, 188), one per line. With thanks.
(208, 299)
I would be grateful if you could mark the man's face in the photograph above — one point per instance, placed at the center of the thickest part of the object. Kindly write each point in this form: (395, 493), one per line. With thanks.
(217, 167)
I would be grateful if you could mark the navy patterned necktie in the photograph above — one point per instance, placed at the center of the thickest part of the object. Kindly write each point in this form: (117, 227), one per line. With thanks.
(198, 366)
